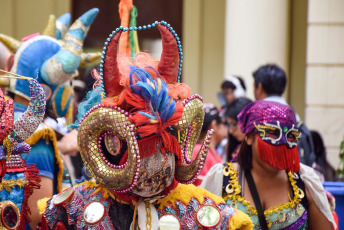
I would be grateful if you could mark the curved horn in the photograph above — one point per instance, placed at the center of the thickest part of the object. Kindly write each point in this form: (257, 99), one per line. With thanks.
(7, 116)
(187, 173)
(169, 61)
(50, 28)
(190, 126)
(90, 59)
(64, 64)
(28, 122)
(113, 121)
(111, 73)
(11, 43)
(62, 24)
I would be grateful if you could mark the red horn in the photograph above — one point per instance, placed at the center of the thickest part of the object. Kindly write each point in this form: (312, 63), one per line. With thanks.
(111, 74)
(169, 61)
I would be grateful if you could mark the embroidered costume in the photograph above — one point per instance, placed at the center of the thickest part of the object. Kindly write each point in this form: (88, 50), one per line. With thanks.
(19, 178)
(277, 135)
(52, 58)
(137, 143)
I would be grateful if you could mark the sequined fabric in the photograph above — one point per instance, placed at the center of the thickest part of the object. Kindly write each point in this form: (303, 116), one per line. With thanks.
(264, 111)
(190, 125)
(75, 208)
(28, 122)
(100, 120)
(6, 116)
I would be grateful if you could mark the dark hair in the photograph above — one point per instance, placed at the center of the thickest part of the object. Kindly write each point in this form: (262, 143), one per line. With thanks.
(272, 78)
(211, 113)
(228, 85)
(242, 82)
(323, 166)
(232, 110)
(245, 156)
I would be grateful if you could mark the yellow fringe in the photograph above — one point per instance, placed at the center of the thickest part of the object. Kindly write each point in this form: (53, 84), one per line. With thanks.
(49, 135)
(185, 193)
(42, 205)
(240, 221)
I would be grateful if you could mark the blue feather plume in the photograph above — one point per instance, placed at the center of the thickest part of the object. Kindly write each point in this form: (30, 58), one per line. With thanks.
(154, 92)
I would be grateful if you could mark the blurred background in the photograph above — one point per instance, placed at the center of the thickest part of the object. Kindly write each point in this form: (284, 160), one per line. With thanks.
(222, 37)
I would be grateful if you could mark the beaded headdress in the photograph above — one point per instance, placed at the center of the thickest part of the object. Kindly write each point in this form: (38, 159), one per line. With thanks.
(277, 133)
(144, 110)
(52, 58)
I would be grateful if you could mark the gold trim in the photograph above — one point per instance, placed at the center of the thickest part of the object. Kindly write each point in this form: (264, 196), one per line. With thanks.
(234, 197)
(8, 185)
(17, 75)
(73, 39)
(2, 205)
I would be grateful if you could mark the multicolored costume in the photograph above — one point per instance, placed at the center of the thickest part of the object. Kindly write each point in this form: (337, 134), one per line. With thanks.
(274, 125)
(53, 58)
(138, 144)
(18, 177)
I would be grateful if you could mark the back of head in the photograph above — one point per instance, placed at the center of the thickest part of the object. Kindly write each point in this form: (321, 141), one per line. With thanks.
(319, 147)
(273, 79)
(233, 109)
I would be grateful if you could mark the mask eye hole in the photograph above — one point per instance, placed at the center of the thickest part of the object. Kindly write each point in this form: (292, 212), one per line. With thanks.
(293, 136)
(113, 148)
(112, 144)
(274, 134)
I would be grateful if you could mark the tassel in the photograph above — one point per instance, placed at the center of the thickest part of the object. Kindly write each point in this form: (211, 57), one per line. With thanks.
(279, 156)
(31, 174)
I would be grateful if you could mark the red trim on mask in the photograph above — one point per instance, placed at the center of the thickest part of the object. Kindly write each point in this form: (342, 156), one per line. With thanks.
(279, 156)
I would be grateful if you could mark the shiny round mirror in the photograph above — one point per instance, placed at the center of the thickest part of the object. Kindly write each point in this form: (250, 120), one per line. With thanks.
(112, 144)
(10, 216)
(208, 216)
(94, 212)
(169, 222)
(63, 196)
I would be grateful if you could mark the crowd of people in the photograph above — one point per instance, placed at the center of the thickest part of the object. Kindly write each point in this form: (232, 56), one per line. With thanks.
(139, 151)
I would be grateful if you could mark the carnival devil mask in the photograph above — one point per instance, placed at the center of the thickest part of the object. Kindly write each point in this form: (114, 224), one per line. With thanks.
(277, 133)
(144, 132)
